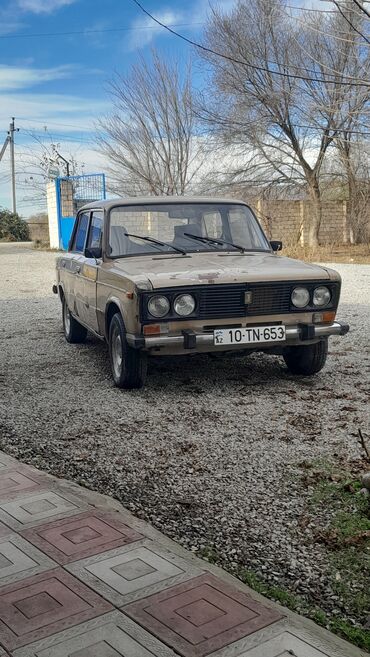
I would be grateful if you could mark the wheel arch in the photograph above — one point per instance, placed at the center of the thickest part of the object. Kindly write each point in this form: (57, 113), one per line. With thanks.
(113, 306)
(61, 292)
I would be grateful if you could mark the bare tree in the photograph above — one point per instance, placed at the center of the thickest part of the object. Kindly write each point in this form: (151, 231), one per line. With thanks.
(285, 92)
(35, 163)
(353, 178)
(150, 138)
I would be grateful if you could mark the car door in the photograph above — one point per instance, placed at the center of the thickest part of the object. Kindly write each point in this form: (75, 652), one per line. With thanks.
(70, 264)
(89, 272)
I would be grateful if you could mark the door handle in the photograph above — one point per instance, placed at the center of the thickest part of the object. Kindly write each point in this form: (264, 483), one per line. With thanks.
(78, 269)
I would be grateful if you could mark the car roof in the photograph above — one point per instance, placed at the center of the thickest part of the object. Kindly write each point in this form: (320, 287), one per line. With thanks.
(158, 200)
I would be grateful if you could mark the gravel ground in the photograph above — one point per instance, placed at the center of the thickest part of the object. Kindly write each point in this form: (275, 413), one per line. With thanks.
(209, 451)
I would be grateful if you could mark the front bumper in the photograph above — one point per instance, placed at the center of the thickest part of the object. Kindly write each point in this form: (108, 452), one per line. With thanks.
(190, 340)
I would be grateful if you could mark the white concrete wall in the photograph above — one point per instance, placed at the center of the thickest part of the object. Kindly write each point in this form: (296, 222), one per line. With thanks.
(51, 195)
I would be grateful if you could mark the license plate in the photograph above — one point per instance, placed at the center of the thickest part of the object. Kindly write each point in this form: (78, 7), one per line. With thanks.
(249, 335)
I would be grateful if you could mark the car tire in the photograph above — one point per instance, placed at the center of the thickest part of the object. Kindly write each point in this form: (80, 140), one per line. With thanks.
(74, 332)
(129, 366)
(306, 359)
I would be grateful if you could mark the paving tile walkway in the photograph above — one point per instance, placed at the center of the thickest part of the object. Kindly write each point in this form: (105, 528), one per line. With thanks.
(81, 577)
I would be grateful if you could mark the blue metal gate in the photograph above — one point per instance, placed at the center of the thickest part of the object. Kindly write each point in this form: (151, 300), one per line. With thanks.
(72, 193)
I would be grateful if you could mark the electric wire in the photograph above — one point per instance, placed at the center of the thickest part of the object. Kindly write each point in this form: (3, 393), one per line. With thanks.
(244, 63)
(362, 8)
(350, 22)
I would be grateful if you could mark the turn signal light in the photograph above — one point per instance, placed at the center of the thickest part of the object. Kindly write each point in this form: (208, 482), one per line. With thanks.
(325, 317)
(152, 329)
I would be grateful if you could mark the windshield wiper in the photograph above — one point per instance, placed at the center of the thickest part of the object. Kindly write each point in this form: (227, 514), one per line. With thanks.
(151, 239)
(212, 239)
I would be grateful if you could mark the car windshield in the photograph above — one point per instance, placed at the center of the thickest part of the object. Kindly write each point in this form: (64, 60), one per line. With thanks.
(189, 227)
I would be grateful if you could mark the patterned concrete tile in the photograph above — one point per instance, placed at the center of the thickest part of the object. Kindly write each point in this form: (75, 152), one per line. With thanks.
(201, 616)
(285, 644)
(81, 536)
(39, 606)
(5, 530)
(32, 509)
(19, 559)
(112, 635)
(16, 481)
(7, 462)
(127, 574)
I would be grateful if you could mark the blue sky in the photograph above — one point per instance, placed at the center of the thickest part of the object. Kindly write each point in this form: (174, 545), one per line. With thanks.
(60, 81)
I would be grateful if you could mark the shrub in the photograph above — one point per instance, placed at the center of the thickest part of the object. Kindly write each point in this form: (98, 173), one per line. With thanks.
(12, 227)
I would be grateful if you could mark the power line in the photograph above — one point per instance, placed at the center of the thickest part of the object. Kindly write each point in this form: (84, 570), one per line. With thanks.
(316, 29)
(46, 123)
(363, 9)
(79, 32)
(350, 22)
(243, 63)
(317, 11)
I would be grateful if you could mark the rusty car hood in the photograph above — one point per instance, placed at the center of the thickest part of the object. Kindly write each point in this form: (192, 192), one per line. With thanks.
(199, 268)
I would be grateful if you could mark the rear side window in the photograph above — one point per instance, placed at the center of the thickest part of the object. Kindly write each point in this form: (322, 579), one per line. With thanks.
(80, 234)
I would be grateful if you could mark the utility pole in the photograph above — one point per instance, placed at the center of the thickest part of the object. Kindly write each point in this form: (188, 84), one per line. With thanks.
(12, 130)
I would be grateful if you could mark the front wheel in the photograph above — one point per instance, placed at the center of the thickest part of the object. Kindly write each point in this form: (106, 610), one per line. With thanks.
(306, 359)
(128, 365)
(73, 331)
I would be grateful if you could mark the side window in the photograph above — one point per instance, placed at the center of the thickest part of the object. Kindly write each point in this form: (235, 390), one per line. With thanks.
(213, 224)
(94, 240)
(80, 234)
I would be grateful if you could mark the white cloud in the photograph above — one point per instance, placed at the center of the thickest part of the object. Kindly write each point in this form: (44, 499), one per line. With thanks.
(9, 26)
(17, 77)
(43, 6)
(202, 8)
(8, 22)
(193, 17)
(146, 30)
(49, 109)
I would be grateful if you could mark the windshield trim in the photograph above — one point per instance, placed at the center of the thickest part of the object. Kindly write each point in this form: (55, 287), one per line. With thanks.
(184, 202)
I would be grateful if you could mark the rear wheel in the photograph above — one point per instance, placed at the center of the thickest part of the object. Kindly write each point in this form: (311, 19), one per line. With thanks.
(74, 331)
(306, 359)
(129, 366)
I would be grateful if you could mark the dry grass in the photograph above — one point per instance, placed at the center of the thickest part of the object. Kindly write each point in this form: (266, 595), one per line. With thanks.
(347, 253)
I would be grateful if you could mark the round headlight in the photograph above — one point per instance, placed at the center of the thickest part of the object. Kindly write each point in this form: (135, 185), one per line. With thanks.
(158, 306)
(321, 296)
(184, 305)
(300, 297)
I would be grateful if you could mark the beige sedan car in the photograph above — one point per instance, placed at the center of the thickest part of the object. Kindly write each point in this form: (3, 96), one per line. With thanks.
(181, 275)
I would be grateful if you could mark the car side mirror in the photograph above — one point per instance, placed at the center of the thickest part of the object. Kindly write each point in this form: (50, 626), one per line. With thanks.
(276, 245)
(93, 252)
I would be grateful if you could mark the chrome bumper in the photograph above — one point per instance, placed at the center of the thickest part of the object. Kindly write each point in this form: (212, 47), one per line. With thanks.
(191, 340)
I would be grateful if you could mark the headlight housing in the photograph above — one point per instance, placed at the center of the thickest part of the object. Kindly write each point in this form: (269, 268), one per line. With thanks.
(158, 306)
(300, 297)
(321, 296)
(184, 305)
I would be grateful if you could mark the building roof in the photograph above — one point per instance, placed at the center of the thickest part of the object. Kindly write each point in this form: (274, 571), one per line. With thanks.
(158, 200)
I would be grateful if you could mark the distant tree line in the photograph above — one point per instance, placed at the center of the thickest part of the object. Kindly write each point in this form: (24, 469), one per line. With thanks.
(12, 227)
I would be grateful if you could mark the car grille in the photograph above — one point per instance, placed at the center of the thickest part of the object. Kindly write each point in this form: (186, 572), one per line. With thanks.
(217, 301)
(229, 300)
(269, 299)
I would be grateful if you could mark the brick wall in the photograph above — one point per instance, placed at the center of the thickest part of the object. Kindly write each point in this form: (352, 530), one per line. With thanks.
(289, 220)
